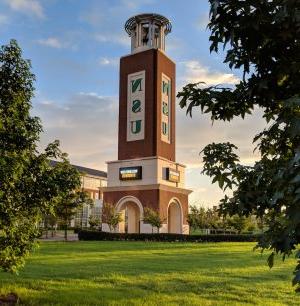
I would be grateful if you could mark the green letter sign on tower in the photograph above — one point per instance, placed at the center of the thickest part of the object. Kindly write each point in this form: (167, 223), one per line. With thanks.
(135, 84)
(136, 126)
(136, 106)
(165, 103)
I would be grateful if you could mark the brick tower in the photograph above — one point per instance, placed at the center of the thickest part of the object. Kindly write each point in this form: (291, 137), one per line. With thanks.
(146, 173)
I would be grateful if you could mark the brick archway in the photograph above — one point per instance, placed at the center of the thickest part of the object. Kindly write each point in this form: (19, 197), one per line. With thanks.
(175, 216)
(132, 213)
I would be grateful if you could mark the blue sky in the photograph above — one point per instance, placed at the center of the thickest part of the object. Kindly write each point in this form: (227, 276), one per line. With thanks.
(75, 48)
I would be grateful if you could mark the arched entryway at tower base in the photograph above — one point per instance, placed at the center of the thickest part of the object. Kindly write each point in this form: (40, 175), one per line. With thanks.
(132, 213)
(175, 217)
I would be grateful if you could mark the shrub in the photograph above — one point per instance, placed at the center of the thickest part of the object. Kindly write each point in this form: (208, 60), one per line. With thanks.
(105, 236)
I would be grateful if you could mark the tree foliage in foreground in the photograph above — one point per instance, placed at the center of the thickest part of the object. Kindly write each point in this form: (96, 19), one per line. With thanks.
(29, 186)
(262, 38)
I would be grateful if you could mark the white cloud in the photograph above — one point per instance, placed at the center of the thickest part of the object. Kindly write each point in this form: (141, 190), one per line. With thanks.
(106, 61)
(115, 38)
(86, 124)
(3, 19)
(193, 134)
(52, 42)
(199, 189)
(93, 17)
(194, 71)
(31, 7)
(203, 21)
(135, 4)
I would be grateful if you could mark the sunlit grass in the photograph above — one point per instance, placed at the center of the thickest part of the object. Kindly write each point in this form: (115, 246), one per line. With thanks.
(139, 273)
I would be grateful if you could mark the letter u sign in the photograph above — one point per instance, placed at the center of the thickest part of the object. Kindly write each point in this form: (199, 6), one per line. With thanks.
(136, 126)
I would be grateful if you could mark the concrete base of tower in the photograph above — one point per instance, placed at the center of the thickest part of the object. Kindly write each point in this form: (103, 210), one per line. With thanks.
(170, 202)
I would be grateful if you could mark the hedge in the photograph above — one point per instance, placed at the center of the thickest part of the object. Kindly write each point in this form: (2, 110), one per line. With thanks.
(163, 237)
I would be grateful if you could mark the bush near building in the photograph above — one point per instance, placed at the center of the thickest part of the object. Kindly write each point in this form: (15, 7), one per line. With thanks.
(163, 237)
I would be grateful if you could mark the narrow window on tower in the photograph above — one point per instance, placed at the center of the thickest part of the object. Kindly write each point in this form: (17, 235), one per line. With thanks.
(145, 34)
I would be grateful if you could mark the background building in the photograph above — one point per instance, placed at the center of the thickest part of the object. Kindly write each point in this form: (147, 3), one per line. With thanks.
(93, 182)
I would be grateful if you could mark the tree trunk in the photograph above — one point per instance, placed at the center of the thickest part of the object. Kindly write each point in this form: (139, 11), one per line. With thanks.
(66, 232)
(46, 226)
(66, 224)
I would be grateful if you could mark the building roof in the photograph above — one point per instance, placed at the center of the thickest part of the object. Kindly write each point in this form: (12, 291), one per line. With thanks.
(85, 170)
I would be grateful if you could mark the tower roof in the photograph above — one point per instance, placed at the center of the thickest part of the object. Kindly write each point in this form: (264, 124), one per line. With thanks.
(131, 22)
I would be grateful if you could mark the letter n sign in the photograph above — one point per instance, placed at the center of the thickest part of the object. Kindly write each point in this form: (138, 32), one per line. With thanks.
(136, 106)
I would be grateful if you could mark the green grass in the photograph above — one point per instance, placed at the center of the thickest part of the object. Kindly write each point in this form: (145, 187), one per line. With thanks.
(139, 273)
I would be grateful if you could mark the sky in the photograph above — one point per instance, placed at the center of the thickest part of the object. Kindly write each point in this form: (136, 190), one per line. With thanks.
(75, 46)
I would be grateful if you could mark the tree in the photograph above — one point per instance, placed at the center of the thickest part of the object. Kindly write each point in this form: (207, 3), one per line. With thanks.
(197, 218)
(214, 221)
(110, 216)
(262, 38)
(29, 185)
(239, 223)
(52, 221)
(45, 226)
(71, 200)
(94, 222)
(152, 217)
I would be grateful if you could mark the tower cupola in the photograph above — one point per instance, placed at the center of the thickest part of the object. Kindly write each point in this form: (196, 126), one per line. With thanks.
(147, 31)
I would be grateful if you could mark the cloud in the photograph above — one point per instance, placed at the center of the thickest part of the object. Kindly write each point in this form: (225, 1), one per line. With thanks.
(52, 42)
(86, 124)
(199, 189)
(3, 19)
(106, 61)
(115, 38)
(135, 4)
(193, 134)
(203, 21)
(194, 71)
(204, 193)
(99, 16)
(93, 17)
(30, 7)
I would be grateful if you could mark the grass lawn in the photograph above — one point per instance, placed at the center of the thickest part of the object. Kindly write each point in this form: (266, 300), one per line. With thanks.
(139, 273)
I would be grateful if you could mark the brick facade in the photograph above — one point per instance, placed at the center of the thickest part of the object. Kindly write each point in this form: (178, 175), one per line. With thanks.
(154, 62)
(157, 199)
